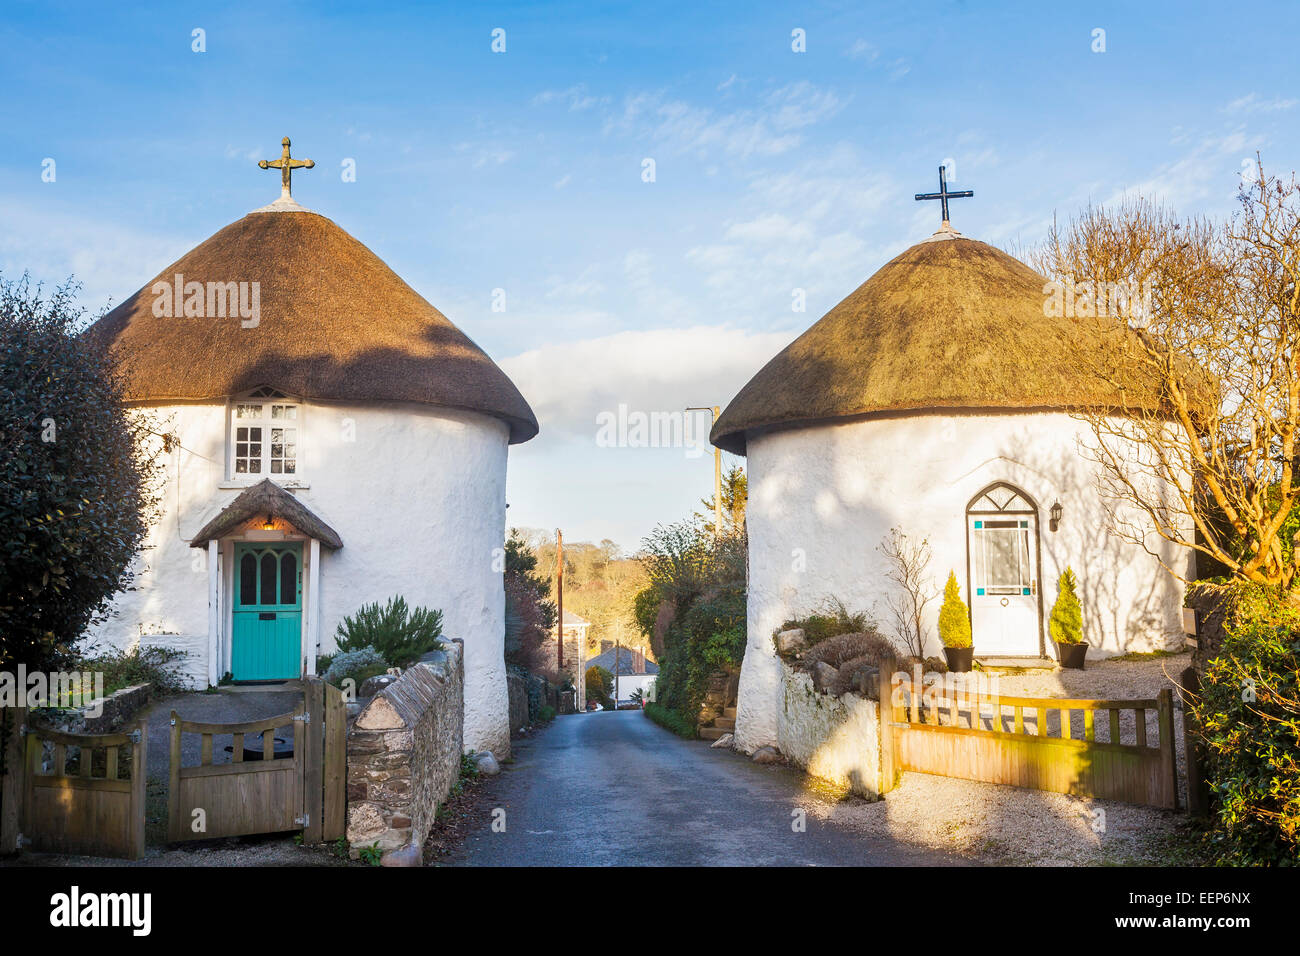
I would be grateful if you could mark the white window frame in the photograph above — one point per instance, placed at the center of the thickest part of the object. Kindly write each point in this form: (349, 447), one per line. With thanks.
(266, 397)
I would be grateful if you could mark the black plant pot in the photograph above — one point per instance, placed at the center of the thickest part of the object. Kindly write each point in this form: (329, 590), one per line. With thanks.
(1071, 655)
(959, 658)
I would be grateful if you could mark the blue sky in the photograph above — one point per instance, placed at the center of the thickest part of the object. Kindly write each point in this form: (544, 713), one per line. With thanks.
(522, 170)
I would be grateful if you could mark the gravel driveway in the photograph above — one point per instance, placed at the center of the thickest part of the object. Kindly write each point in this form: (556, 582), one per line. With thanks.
(1008, 825)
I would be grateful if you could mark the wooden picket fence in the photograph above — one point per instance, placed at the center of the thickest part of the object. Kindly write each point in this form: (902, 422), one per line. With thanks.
(99, 808)
(96, 810)
(1108, 749)
(304, 791)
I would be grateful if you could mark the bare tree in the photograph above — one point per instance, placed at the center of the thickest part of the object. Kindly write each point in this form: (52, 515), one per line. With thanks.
(909, 569)
(1196, 326)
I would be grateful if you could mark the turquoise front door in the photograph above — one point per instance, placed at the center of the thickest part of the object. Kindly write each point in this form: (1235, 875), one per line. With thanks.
(266, 641)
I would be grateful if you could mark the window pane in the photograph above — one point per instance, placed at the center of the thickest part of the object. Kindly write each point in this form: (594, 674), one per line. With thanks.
(255, 466)
(247, 579)
(241, 466)
(270, 571)
(248, 411)
(276, 466)
(241, 434)
(288, 579)
(1003, 559)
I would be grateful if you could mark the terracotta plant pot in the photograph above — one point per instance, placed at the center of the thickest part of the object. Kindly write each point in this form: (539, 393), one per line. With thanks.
(1071, 655)
(959, 658)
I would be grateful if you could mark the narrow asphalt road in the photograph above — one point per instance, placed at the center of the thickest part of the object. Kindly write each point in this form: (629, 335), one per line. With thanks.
(614, 789)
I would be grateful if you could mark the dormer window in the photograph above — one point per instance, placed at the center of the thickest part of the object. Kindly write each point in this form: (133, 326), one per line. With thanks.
(264, 435)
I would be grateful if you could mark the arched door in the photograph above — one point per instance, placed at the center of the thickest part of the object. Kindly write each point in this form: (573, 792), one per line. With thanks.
(1003, 572)
(266, 625)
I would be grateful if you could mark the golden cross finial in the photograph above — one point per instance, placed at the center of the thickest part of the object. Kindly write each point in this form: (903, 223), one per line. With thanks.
(286, 165)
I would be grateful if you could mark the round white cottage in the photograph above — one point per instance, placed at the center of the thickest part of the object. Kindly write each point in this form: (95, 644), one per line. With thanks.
(935, 399)
(328, 439)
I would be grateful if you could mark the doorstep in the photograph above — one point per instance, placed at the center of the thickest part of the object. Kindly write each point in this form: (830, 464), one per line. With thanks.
(1016, 663)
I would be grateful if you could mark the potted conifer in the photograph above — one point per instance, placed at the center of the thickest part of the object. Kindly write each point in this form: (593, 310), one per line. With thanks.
(1066, 624)
(954, 628)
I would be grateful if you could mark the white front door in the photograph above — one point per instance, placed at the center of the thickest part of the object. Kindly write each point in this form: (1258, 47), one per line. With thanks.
(1004, 583)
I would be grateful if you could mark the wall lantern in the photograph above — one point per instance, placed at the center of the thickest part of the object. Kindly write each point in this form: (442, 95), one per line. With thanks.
(269, 523)
(1056, 515)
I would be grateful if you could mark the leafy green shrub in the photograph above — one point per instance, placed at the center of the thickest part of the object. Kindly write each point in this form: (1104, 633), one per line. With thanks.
(79, 477)
(693, 610)
(671, 720)
(400, 635)
(1066, 623)
(954, 621)
(600, 684)
(153, 665)
(545, 714)
(833, 620)
(358, 665)
(1249, 715)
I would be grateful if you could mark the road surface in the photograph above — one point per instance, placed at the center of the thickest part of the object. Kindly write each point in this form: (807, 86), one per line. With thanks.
(615, 789)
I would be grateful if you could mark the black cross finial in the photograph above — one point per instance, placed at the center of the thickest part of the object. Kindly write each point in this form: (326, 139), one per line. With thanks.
(943, 195)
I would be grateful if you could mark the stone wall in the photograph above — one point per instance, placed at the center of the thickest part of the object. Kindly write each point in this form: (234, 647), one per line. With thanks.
(404, 754)
(517, 688)
(103, 715)
(834, 738)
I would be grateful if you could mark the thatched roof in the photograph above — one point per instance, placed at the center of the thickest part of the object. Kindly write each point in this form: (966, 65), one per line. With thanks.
(335, 324)
(267, 499)
(951, 323)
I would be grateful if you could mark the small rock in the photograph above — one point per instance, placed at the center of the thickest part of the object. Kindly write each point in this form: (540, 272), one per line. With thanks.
(408, 855)
(788, 642)
(823, 676)
(767, 755)
(723, 741)
(373, 685)
(486, 762)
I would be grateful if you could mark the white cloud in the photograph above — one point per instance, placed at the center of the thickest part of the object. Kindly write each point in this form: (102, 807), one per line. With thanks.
(577, 97)
(109, 260)
(654, 370)
(1253, 103)
(769, 129)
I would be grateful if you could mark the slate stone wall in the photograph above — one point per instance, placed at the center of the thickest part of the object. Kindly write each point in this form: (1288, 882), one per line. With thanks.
(404, 753)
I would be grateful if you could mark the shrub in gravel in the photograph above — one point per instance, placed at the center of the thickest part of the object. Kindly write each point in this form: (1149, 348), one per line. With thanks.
(399, 633)
(358, 665)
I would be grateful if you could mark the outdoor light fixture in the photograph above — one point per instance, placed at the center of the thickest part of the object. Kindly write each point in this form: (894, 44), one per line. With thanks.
(1056, 515)
(269, 523)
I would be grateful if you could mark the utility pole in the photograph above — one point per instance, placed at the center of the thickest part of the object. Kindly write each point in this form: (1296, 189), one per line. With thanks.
(559, 595)
(717, 469)
(618, 658)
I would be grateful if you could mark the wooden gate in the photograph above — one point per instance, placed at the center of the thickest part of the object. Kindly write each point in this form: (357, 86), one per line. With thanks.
(302, 790)
(97, 809)
(1044, 743)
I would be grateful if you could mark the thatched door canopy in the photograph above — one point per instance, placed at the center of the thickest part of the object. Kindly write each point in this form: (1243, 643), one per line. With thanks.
(266, 499)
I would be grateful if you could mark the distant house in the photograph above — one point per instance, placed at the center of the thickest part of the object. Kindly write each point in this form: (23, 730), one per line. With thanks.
(633, 670)
(575, 649)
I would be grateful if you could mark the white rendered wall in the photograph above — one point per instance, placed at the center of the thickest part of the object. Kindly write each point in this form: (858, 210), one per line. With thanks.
(821, 500)
(416, 493)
